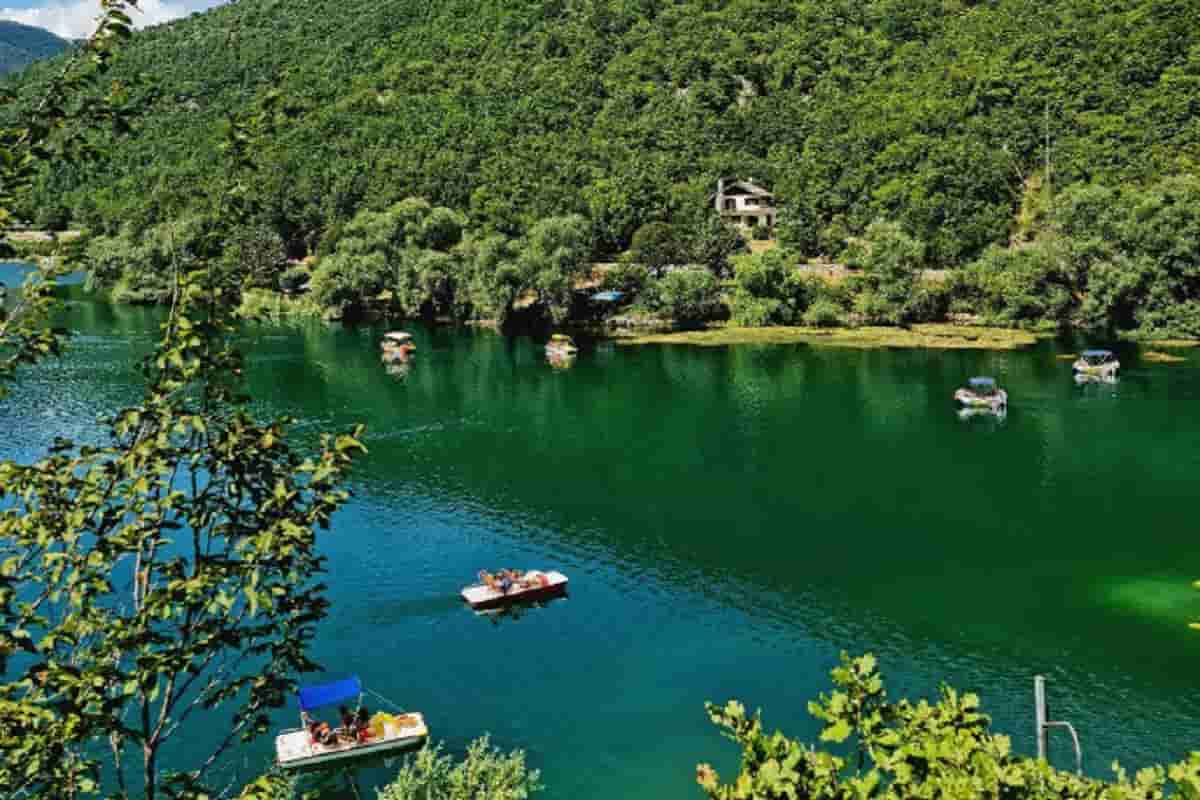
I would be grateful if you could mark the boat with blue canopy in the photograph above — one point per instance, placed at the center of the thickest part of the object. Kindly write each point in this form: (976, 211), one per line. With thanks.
(359, 735)
(982, 393)
(1097, 364)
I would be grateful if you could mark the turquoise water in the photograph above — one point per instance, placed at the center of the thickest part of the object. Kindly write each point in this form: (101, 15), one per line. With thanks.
(730, 519)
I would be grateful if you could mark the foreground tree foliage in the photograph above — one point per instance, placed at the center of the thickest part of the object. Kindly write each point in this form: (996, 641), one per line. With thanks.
(55, 125)
(484, 772)
(166, 572)
(903, 749)
(164, 576)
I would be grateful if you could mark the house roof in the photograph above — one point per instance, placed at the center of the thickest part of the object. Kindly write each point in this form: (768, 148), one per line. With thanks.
(747, 187)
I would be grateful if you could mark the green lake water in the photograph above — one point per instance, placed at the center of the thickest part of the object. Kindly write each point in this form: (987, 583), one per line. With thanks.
(730, 519)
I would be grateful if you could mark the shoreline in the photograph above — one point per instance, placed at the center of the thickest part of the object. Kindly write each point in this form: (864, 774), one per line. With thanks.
(930, 336)
(638, 330)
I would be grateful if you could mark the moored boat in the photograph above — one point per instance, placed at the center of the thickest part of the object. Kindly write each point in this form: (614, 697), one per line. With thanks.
(1097, 364)
(982, 393)
(561, 345)
(397, 346)
(315, 743)
(511, 586)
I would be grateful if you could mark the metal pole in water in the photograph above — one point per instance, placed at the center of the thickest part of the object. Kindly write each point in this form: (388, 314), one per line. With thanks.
(1042, 723)
(1039, 713)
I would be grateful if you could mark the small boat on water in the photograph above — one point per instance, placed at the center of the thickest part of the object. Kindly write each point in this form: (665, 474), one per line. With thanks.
(1097, 364)
(397, 346)
(561, 345)
(982, 394)
(316, 743)
(512, 586)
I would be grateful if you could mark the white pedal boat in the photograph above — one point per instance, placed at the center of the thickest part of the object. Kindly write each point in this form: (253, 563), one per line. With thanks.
(982, 394)
(295, 748)
(1097, 364)
(395, 339)
(561, 345)
(533, 585)
(397, 346)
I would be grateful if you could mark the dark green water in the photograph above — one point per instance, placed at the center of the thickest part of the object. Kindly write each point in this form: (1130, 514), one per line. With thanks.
(730, 520)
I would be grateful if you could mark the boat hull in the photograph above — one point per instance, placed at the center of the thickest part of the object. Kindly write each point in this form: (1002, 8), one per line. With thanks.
(294, 750)
(969, 400)
(1109, 370)
(480, 597)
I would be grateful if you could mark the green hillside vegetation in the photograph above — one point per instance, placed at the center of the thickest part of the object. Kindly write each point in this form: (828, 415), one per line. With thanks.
(21, 45)
(980, 136)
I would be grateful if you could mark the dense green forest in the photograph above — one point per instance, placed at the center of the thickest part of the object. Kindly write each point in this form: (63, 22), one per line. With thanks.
(21, 45)
(964, 124)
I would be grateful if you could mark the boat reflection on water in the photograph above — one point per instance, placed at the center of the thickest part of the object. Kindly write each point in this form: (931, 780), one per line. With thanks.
(1086, 379)
(998, 414)
(514, 612)
(398, 369)
(560, 360)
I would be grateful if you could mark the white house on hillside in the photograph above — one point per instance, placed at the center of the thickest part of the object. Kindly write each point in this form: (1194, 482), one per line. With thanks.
(745, 204)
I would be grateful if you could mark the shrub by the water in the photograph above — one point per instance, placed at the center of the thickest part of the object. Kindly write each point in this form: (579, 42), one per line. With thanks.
(823, 313)
(769, 290)
(688, 296)
(1024, 284)
(484, 772)
(891, 261)
(898, 750)
(295, 278)
(626, 277)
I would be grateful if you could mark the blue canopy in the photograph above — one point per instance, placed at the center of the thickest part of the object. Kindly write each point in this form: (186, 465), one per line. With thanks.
(328, 694)
(1097, 353)
(982, 383)
(608, 297)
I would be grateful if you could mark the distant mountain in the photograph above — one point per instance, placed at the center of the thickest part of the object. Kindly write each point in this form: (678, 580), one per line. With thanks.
(21, 45)
(932, 113)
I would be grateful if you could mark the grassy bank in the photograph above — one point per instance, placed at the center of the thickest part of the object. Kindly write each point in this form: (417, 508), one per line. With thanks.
(932, 336)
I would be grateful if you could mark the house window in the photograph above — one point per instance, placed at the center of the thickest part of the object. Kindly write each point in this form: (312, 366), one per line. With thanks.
(730, 204)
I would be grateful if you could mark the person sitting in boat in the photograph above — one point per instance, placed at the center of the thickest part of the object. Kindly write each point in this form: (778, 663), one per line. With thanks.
(506, 582)
(349, 727)
(320, 733)
(362, 724)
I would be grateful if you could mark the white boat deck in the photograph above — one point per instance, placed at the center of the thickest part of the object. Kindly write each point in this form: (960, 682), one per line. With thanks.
(294, 748)
(480, 595)
(396, 338)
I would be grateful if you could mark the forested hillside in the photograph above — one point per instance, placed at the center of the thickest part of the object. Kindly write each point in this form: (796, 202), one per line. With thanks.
(21, 45)
(941, 116)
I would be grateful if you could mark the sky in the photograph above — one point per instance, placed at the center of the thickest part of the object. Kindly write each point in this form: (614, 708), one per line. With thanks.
(74, 19)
